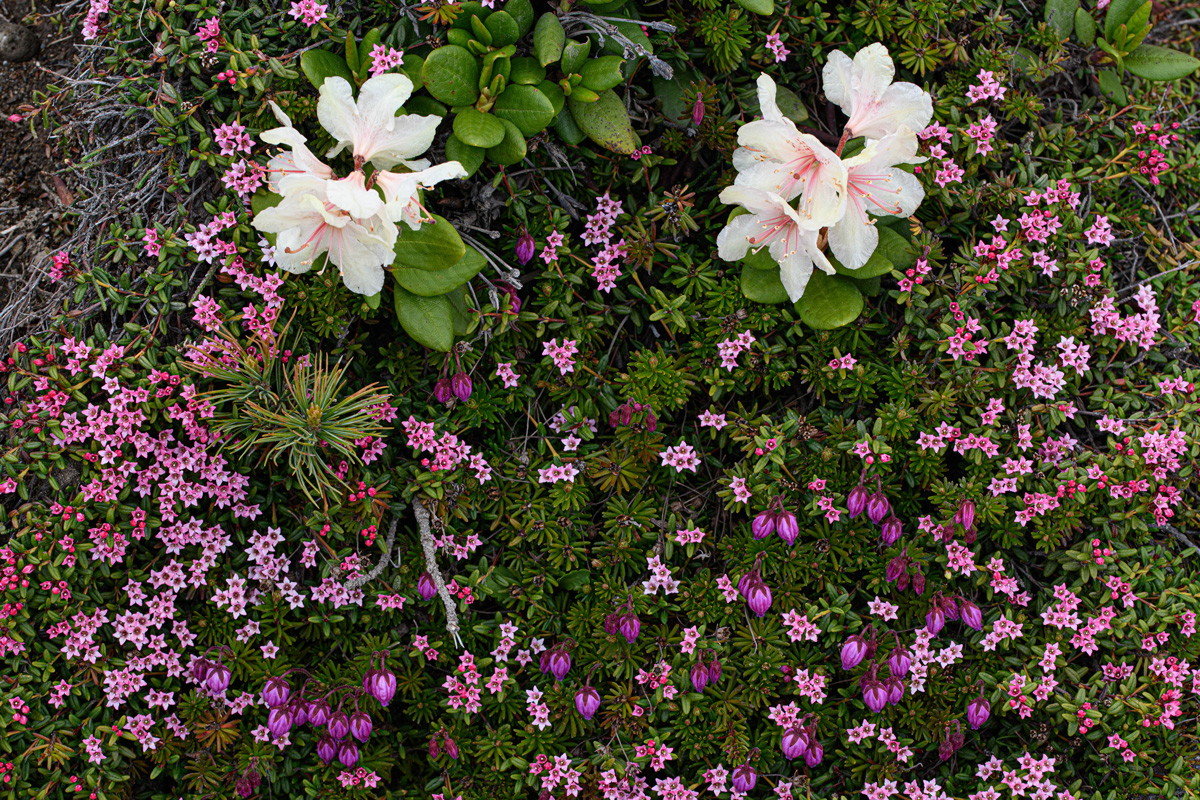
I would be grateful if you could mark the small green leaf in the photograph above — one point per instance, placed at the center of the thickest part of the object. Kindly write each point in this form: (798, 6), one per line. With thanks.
(602, 73)
(829, 302)
(554, 94)
(763, 285)
(526, 107)
(1119, 13)
(512, 150)
(526, 71)
(605, 122)
(474, 127)
(318, 65)
(352, 58)
(1085, 27)
(428, 320)
(373, 300)
(433, 246)
(503, 27)
(1156, 63)
(789, 104)
(451, 74)
(567, 130)
(522, 12)
(470, 156)
(574, 53)
(425, 106)
(431, 284)
(548, 38)
(1110, 84)
(1060, 14)
(763, 8)
(411, 65)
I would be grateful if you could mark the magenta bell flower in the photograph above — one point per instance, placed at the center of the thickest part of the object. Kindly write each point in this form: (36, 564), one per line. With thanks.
(461, 385)
(787, 527)
(875, 696)
(426, 587)
(348, 753)
(443, 390)
(714, 671)
(763, 525)
(965, 515)
(895, 689)
(339, 725)
(630, 627)
(587, 702)
(525, 247)
(299, 710)
(978, 711)
(360, 726)
(918, 582)
(900, 662)
(434, 750)
(699, 677)
(318, 712)
(935, 619)
(877, 507)
(759, 598)
(746, 581)
(327, 749)
(794, 743)
(856, 501)
(559, 663)
(217, 679)
(972, 616)
(890, 530)
(854, 651)
(950, 608)
(279, 721)
(276, 692)
(744, 778)
(451, 748)
(814, 755)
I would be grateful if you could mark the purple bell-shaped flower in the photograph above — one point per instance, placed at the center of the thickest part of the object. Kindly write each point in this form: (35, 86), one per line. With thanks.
(587, 702)
(360, 725)
(276, 692)
(744, 777)
(339, 725)
(794, 743)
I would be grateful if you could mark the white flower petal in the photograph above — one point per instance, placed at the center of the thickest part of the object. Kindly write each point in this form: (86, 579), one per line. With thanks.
(854, 238)
(766, 98)
(351, 194)
(338, 113)
(837, 78)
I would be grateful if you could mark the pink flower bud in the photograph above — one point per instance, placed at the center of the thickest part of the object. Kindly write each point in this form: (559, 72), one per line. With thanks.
(877, 507)
(895, 689)
(348, 753)
(443, 390)
(699, 677)
(630, 626)
(856, 502)
(744, 778)
(714, 671)
(360, 726)
(787, 527)
(339, 725)
(853, 652)
(900, 662)
(814, 755)
(698, 111)
(972, 616)
(460, 384)
(327, 749)
(759, 598)
(426, 587)
(763, 525)
(525, 247)
(276, 692)
(935, 619)
(279, 721)
(978, 711)
(965, 515)
(794, 743)
(875, 696)
(890, 530)
(587, 702)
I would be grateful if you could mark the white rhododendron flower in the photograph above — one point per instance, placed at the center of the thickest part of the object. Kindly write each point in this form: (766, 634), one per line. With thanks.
(875, 186)
(776, 157)
(774, 224)
(863, 88)
(353, 220)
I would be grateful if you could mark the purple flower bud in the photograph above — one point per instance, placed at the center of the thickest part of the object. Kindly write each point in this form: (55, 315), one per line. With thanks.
(461, 385)
(383, 687)
(895, 689)
(759, 598)
(875, 696)
(744, 778)
(794, 743)
(326, 749)
(243, 787)
(853, 652)
(612, 624)
(587, 702)
(560, 663)
(698, 111)
(626, 414)
(200, 668)
(896, 567)
(856, 502)
(651, 422)
(965, 515)
(348, 753)
(434, 749)
(217, 679)
(631, 626)
(451, 748)
(318, 712)
(339, 725)
(918, 582)
(978, 711)
(525, 247)
(972, 616)
(360, 725)
(814, 755)
(935, 619)
(763, 525)
(787, 528)
(902, 581)
(299, 710)
(746, 581)
(699, 677)
(900, 662)
(890, 530)
(714, 671)
(877, 507)
(279, 721)
(443, 390)
(426, 587)
(276, 692)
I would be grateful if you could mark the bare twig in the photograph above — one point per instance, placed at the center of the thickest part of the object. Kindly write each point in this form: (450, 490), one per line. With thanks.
(431, 567)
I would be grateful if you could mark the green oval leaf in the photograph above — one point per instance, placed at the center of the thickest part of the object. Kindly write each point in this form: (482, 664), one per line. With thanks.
(503, 27)
(1060, 14)
(512, 149)
(522, 12)
(567, 130)
(526, 107)
(474, 127)
(789, 104)
(829, 302)
(318, 65)
(428, 320)
(605, 122)
(548, 39)
(526, 71)
(763, 285)
(602, 73)
(574, 53)
(1085, 27)
(431, 284)
(554, 94)
(1156, 63)
(451, 74)
(763, 8)
(469, 156)
(1119, 12)
(433, 246)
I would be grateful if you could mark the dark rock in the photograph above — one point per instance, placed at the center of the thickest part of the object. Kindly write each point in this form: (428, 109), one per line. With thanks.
(17, 43)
